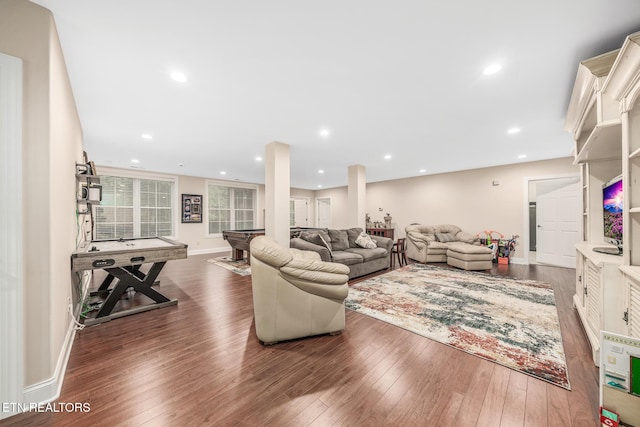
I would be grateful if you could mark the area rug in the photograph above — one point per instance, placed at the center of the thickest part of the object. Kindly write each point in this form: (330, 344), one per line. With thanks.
(240, 267)
(508, 321)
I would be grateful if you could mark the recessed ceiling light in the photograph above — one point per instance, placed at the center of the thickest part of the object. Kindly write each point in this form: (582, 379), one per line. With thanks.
(320, 170)
(181, 164)
(319, 185)
(423, 170)
(223, 172)
(135, 161)
(179, 77)
(513, 131)
(387, 156)
(492, 69)
(258, 159)
(324, 133)
(522, 156)
(146, 136)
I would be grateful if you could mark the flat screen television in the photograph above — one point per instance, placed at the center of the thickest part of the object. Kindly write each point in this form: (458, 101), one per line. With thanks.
(612, 202)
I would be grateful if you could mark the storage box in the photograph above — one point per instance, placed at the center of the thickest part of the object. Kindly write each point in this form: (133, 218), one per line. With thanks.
(503, 260)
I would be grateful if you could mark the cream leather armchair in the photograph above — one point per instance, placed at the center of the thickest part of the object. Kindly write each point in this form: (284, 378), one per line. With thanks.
(295, 293)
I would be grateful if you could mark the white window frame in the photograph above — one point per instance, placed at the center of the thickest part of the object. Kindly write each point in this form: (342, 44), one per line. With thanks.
(176, 206)
(231, 185)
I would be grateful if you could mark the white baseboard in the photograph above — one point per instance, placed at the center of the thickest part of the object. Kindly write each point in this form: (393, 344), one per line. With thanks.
(49, 390)
(208, 251)
(518, 261)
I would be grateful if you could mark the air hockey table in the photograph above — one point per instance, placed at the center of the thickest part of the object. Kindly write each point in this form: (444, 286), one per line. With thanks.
(122, 260)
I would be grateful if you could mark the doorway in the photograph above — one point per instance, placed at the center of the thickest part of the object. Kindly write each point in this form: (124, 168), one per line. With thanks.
(553, 220)
(323, 212)
(299, 212)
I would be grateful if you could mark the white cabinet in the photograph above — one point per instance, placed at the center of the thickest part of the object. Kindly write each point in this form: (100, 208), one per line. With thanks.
(631, 277)
(604, 119)
(600, 299)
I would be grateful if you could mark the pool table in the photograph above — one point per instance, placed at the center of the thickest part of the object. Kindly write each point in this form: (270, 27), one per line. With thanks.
(241, 239)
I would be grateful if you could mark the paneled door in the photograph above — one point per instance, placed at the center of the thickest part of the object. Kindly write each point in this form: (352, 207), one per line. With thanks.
(558, 222)
(323, 212)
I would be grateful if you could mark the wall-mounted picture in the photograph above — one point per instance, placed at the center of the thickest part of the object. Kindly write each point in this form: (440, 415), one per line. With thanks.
(191, 208)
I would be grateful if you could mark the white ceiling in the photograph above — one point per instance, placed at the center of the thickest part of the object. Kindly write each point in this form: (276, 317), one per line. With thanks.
(401, 78)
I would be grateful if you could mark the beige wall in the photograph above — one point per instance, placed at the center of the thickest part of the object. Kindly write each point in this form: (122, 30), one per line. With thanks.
(52, 142)
(466, 198)
(193, 234)
(339, 204)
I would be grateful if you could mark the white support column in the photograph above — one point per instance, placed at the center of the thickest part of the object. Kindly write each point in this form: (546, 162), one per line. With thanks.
(277, 192)
(357, 196)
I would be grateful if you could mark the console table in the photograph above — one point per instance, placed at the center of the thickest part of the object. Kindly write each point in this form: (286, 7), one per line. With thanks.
(383, 232)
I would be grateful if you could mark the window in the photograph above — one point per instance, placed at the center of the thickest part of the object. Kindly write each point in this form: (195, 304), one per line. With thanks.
(230, 208)
(134, 207)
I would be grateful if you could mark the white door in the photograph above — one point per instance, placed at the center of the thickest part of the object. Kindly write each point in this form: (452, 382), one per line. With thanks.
(323, 212)
(300, 212)
(558, 219)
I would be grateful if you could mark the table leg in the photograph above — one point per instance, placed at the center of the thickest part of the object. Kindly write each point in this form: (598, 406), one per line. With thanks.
(237, 254)
(132, 277)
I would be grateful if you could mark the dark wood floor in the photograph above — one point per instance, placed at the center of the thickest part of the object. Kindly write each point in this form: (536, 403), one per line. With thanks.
(200, 363)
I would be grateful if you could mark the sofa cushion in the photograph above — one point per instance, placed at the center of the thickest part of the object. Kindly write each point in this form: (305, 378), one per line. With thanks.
(347, 258)
(421, 228)
(365, 241)
(466, 237)
(438, 248)
(464, 248)
(445, 237)
(339, 240)
(369, 254)
(318, 237)
(352, 236)
(447, 228)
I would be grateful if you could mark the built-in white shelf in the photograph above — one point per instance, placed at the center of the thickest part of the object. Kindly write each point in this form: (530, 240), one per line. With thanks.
(635, 154)
(597, 146)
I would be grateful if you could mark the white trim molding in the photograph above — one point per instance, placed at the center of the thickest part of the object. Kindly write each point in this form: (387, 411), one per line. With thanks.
(11, 265)
(49, 390)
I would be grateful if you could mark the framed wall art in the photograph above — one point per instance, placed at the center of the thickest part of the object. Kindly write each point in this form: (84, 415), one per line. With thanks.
(191, 208)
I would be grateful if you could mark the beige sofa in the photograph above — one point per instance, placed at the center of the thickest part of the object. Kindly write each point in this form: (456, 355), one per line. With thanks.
(295, 294)
(429, 243)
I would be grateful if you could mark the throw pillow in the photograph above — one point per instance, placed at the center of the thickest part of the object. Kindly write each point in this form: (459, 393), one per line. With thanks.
(339, 240)
(326, 241)
(317, 238)
(445, 237)
(352, 236)
(365, 241)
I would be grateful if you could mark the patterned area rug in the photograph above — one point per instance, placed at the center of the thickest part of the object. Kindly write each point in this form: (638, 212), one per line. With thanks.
(240, 267)
(508, 321)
